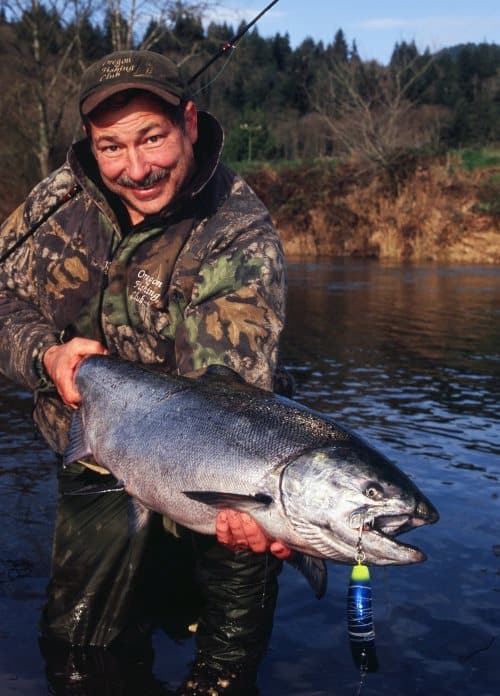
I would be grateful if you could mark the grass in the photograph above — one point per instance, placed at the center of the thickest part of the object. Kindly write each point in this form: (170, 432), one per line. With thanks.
(480, 158)
(246, 168)
(489, 196)
(469, 158)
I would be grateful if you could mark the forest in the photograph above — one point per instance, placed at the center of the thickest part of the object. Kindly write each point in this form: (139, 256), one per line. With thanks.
(279, 104)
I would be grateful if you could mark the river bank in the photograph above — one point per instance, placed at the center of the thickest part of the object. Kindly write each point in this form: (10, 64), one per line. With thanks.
(440, 212)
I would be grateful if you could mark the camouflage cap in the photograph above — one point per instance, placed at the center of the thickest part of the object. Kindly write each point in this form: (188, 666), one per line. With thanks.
(124, 70)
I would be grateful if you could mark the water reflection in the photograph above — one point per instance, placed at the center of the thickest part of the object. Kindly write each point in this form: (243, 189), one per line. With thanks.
(74, 671)
(410, 358)
(389, 345)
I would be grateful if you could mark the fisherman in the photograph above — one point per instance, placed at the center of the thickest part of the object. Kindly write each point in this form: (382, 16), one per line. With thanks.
(145, 246)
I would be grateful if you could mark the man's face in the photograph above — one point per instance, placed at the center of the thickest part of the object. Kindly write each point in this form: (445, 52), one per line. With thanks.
(142, 156)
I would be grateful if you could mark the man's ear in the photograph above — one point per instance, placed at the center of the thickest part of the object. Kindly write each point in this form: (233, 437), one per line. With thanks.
(86, 128)
(191, 121)
(87, 132)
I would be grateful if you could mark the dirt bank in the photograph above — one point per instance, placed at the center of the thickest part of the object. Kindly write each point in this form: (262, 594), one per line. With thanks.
(440, 212)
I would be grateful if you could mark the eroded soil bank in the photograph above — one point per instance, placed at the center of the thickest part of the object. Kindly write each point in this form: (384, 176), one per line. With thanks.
(438, 211)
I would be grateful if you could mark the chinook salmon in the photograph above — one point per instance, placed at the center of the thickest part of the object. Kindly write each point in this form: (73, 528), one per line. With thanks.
(188, 447)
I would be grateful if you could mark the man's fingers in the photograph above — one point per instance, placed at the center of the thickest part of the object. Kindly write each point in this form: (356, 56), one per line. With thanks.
(222, 529)
(238, 528)
(279, 550)
(61, 362)
(239, 531)
(255, 536)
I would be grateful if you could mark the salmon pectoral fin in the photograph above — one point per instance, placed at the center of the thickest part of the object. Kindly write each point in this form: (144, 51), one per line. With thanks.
(138, 515)
(77, 446)
(232, 501)
(98, 488)
(313, 569)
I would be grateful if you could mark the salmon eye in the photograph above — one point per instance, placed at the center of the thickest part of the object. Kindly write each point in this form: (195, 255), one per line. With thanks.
(374, 491)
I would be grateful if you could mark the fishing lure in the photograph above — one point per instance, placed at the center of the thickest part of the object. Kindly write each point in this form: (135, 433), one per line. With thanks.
(360, 617)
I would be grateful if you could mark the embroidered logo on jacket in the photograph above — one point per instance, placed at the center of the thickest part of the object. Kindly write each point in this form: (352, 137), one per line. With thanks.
(146, 288)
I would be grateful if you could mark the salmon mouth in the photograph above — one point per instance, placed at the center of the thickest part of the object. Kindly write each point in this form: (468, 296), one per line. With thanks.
(379, 531)
(391, 525)
(387, 525)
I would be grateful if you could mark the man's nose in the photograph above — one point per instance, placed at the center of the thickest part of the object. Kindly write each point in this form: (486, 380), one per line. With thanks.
(138, 166)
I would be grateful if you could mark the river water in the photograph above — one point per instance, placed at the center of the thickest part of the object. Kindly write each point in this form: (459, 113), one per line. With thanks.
(407, 356)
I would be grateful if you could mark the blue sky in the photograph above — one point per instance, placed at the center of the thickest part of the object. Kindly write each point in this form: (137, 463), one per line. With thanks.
(376, 26)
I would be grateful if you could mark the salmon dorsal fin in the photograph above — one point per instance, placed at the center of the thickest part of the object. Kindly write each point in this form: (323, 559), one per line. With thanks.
(224, 379)
(223, 374)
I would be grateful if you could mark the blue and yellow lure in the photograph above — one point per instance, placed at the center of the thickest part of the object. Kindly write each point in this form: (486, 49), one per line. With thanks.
(360, 619)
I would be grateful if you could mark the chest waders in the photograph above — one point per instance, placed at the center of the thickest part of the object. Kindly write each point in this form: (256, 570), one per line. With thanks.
(111, 588)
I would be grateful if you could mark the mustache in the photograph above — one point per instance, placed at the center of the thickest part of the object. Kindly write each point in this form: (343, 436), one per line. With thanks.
(150, 180)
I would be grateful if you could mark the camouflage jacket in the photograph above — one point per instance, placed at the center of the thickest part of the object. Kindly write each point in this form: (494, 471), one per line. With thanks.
(201, 283)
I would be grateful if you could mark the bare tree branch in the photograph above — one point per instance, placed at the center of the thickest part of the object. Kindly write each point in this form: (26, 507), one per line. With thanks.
(51, 54)
(368, 108)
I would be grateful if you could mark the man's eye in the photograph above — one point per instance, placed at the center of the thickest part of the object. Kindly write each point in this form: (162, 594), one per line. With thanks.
(154, 139)
(109, 150)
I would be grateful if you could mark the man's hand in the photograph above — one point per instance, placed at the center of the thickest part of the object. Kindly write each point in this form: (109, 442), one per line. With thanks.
(237, 530)
(61, 363)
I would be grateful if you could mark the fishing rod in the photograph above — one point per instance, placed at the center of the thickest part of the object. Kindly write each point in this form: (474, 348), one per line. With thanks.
(231, 43)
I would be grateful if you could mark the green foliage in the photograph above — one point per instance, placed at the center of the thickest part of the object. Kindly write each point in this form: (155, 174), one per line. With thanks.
(250, 139)
(480, 158)
(467, 81)
(489, 196)
(49, 32)
(339, 50)
(94, 41)
(489, 188)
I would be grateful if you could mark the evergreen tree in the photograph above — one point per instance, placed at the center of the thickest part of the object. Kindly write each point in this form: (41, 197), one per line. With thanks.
(339, 51)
